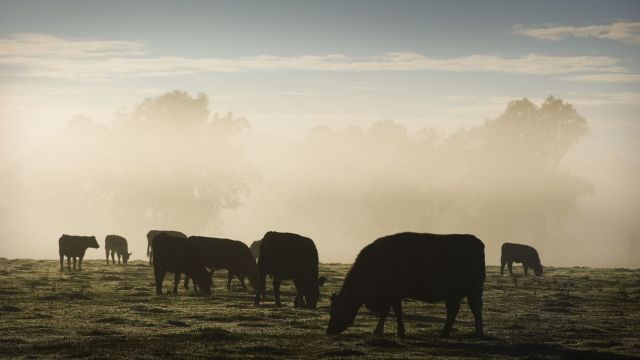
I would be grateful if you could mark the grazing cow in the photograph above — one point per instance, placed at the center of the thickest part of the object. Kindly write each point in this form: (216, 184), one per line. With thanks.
(519, 253)
(231, 255)
(74, 247)
(152, 234)
(289, 256)
(426, 267)
(114, 244)
(255, 249)
(178, 255)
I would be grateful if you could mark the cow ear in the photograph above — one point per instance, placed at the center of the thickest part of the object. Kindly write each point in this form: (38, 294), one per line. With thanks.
(321, 281)
(130, 254)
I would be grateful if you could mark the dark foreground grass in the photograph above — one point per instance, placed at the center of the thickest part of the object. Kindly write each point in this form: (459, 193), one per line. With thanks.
(112, 311)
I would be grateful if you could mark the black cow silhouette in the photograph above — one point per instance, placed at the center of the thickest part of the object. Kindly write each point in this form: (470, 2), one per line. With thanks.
(519, 253)
(426, 267)
(231, 255)
(73, 246)
(153, 233)
(255, 249)
(289, 256)
(116, 245)
(178, 255)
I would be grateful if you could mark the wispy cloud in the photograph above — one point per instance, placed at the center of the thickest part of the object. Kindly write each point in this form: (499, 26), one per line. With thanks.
(605, 78)
(628, 32)
(53, 57)
(33, 45)
(603, 99)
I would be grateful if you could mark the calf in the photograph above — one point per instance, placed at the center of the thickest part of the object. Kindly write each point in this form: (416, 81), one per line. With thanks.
(178, 255)
(426, 267)
(116, 245)
(153, 233)
(75, 247)
(231, 255)
(519, 253)
(289, 256)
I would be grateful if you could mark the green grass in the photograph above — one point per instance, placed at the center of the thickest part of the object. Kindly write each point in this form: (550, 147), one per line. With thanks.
(112, 311)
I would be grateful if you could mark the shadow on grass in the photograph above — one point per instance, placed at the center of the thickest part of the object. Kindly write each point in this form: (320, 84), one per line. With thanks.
(521, 349)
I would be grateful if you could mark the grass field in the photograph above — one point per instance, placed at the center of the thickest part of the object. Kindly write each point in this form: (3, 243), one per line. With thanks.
(112, 311)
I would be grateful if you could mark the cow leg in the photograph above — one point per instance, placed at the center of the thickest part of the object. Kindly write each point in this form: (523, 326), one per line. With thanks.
(61, 262)
(80, 262)
(452, 311)
(107, 252)
(159, 275)
(397, 309)
(74, 262)
(176, 281)
(526, 270)
(299, 301)
(244, 286)
(276, 290)
(186, 281)
(229, 278)
(69, 263)
(475, 303)
(379, 330)
(510, 265)
(119, 256)
(503, 262)
(261, 287)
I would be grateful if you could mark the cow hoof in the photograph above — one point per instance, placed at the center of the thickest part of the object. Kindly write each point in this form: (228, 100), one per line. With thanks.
(400, 334)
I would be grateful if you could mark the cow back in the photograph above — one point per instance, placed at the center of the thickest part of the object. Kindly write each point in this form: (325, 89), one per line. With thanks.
(226, 254)
(520, 253)
(423, 266)
(74, 245)
(287, 256)
(117, 243)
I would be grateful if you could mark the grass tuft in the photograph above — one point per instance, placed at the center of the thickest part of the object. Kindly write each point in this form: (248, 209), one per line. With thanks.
(216, 334)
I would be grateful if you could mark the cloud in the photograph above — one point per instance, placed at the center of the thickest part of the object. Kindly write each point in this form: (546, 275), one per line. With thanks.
(47, 56)
(33, 45)
(603, 99)
(627, 32)
(604, 78)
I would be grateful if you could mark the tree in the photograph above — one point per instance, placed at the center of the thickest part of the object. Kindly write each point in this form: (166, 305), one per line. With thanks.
(168, 163)
(542, 135)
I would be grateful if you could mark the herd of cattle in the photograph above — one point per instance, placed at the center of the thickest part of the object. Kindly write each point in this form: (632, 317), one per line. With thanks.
(449, 268)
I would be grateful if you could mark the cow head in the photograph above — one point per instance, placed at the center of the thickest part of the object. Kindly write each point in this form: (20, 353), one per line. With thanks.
(537, 270)
(204, 283)
(125, 257)
(312, 295)
(93, 243)
(342, 312)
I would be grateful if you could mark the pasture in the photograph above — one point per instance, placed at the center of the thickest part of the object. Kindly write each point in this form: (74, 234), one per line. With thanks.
(112, 311)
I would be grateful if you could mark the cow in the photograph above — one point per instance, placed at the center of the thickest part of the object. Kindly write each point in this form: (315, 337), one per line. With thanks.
(519, 253)
(287, 256)
(73, 246)
(231, 255)
(178, 255)
(152, 234)
(255, 249)
(420, 266)
(116, 245)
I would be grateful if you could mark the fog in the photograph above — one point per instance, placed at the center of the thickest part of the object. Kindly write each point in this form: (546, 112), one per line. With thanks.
(537, 174)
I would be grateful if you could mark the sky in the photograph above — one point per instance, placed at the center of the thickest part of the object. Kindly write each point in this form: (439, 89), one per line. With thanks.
(288, 66)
